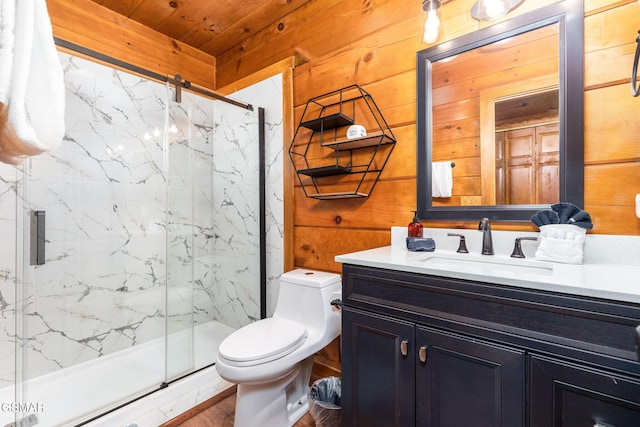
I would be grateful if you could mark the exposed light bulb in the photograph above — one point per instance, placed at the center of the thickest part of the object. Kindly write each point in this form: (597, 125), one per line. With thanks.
(431, 27)
(495, 8)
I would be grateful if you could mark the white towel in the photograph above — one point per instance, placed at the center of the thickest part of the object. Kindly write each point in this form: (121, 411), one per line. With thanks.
(7, 25)
(32, 119)
(561, 243)
(441, 179)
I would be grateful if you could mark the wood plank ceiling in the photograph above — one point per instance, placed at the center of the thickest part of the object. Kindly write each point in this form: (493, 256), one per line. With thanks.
(212, 26)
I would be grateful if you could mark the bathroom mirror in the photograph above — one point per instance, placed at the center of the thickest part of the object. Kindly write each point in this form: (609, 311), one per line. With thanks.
(519, 81)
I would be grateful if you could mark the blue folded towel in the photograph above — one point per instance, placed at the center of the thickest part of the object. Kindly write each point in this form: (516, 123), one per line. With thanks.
(581, 219)
(545, 217)
(421, 244)
(563, 213)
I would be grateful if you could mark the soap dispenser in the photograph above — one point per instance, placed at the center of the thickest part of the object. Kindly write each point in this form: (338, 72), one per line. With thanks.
(414, 229)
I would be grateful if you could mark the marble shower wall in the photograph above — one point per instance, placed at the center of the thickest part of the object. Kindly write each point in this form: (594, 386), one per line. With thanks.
(268, 94)
(143, 192)
(9, 181)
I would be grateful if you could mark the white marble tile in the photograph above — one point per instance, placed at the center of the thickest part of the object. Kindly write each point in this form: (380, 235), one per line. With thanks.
(8, 199)
(269, 94)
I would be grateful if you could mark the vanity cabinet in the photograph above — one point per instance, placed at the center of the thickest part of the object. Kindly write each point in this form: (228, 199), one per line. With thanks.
(401, 373)
(431, 351)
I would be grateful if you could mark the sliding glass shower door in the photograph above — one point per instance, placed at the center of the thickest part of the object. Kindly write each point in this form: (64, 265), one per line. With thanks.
(213, 227)
(214, 233)
(141, 243)
(93, 307)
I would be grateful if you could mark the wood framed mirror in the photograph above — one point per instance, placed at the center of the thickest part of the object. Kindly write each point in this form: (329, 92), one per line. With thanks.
(505, 106)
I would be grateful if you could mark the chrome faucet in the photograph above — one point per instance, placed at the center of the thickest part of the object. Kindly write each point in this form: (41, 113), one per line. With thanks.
(487, 243)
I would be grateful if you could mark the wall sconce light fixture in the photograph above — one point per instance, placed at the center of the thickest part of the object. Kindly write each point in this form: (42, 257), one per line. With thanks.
(487, 10)
(433, 24)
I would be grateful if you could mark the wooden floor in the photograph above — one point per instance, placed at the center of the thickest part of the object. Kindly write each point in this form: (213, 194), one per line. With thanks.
(221, 415)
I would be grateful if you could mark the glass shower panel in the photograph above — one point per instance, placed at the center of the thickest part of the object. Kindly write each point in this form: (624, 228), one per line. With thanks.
(93, 321)
(180, 233)
(235, 290)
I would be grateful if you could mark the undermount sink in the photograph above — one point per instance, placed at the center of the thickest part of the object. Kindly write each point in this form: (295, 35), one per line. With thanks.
(486, 264)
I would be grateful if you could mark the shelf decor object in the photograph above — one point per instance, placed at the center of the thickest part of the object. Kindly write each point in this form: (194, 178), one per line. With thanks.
(330, 165)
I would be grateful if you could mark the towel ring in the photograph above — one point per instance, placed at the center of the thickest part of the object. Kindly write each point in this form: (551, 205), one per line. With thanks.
(635, 89)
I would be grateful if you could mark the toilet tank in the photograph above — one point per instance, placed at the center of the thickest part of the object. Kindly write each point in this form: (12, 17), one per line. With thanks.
(305, 296)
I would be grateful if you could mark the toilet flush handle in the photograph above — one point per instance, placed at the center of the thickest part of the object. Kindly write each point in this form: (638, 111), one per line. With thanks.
(336, 300)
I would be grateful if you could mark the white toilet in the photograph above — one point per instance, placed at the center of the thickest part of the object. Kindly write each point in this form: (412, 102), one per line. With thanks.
(271, 359)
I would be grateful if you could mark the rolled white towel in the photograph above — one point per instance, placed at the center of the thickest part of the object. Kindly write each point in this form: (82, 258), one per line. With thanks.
(561, 243)
(558, 250)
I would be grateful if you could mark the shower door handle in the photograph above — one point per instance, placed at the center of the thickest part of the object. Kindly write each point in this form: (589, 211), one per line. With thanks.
(38, 237)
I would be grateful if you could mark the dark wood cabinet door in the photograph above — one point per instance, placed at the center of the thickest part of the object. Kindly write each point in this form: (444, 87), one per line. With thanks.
(378, 382)
(467, 382)
(568, 395)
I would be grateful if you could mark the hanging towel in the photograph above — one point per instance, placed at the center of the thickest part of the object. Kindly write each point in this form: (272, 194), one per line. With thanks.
(32, 110)
(441, 179)
(7, 25)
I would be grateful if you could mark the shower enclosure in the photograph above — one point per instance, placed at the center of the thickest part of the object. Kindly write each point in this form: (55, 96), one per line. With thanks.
(139, 244)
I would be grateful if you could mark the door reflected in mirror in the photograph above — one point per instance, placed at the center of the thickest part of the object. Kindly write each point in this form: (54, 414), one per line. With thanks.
(527, 150)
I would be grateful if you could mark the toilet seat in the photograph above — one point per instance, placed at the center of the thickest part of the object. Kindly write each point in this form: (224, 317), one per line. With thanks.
(262, 341)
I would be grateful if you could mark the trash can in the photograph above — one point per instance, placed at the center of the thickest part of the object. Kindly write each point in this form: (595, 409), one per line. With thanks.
(324, 402)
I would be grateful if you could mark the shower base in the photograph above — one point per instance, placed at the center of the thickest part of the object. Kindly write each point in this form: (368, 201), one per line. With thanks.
(75, 395)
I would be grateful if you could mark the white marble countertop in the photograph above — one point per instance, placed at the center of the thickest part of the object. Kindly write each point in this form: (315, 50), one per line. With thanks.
(598, 278)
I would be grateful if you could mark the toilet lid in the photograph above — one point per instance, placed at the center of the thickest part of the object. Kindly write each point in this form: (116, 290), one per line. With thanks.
(262, 341)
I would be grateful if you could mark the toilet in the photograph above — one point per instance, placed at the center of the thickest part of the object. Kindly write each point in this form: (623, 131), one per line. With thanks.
(270, 360)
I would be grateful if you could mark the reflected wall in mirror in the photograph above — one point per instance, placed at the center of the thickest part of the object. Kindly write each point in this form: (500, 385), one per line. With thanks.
(504, 104)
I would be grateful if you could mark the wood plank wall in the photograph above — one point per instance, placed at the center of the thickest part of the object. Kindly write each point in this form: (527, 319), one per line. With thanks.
(373, 44)
(92, 26)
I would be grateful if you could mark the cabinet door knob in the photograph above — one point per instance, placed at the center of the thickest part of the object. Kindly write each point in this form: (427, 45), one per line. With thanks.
(404, 347)
(422, 354)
